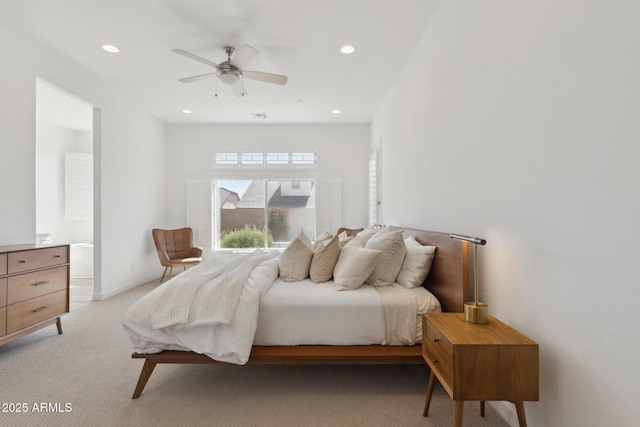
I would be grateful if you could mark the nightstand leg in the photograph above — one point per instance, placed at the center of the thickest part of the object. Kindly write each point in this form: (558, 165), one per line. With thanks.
(59, 325)
(432, 381)
(459, 410)
(482, 408)
(522, 420)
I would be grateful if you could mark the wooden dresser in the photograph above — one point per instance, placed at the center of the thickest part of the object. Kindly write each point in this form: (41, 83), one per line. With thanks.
(34, 288)
(479, 362)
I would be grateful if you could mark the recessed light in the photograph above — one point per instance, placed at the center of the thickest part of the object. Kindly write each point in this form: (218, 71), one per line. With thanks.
(335, 111)
(347, 49)
(187, 111)
(110, 48)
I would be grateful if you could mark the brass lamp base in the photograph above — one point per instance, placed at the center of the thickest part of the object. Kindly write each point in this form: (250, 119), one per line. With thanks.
(476, 312)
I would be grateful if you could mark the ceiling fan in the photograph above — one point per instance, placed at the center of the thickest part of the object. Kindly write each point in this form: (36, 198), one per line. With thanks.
(231, 71)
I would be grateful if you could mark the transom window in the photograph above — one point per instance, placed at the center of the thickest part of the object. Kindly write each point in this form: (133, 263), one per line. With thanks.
(266, 159)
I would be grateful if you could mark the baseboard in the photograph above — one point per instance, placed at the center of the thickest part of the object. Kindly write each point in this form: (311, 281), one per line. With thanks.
(507, 410)
(103, 296)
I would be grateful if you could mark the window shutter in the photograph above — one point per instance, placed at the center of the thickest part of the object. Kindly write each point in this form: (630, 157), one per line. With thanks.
(199, 211)
(328, 206)
(78, 186)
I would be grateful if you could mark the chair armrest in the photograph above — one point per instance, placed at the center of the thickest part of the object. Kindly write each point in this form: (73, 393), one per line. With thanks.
(195, 252)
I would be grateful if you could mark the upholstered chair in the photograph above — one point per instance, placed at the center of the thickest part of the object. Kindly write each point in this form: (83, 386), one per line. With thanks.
(175, 249)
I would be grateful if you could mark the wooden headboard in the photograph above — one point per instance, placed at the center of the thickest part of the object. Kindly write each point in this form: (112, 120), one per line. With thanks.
(448, 278)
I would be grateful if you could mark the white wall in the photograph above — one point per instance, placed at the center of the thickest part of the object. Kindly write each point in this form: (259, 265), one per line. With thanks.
(343, 152)
(129, 160)
(519, 120)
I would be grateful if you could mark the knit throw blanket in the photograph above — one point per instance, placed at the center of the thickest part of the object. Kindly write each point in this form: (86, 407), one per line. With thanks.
(206, 295)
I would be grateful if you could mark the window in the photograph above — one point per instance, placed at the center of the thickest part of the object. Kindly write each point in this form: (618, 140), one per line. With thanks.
(268, 159)
(263, 213)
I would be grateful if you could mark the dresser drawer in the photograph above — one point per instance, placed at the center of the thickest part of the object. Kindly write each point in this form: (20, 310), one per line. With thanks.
(3, 264)
(3, 292)
(35, 310)
(35, 259)
(30, 285)
(3, 321)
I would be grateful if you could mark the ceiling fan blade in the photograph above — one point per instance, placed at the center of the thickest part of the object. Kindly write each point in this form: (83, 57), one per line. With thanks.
(265, 77)
(243, 56)
(195, 57)
(196, 78)
(238, 89)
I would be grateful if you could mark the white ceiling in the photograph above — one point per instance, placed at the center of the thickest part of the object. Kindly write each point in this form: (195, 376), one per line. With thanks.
(298, 38)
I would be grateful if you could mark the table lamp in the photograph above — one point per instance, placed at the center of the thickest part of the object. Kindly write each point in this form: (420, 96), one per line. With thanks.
(474, 312)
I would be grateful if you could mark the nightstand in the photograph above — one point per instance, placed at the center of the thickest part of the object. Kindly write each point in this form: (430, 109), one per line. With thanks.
(482, 362)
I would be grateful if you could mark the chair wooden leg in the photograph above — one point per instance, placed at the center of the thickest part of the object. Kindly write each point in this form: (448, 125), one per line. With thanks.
(165, 272)
(170, 273)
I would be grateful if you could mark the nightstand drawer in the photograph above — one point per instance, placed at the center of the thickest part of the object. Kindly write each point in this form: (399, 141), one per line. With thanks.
(36, 259)
(30, 285)
(438, 351)
(36, 310)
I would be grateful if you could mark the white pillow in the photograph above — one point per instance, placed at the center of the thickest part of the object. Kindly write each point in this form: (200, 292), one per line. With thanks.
(324, 260)
(416, 264)
(353, 267)
(295, 260)
(392, 246)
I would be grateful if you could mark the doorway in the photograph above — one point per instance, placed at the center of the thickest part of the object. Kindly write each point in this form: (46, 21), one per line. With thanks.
(64, 183)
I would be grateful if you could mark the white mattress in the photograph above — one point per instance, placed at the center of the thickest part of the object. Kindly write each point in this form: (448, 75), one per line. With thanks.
(304, 312)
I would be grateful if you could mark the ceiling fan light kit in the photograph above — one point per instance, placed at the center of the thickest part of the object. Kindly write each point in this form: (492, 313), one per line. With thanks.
(230, 72)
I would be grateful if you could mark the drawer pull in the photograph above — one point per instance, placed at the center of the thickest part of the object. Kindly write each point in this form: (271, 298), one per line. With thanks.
(435, 361)
(436, 340)
(22, 261)
(44, 282)
(40, 309)
(57, 256)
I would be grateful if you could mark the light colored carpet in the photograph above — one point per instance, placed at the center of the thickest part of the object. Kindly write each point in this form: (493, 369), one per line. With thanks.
(86, 377)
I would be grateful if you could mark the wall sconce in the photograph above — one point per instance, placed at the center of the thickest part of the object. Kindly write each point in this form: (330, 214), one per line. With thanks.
(474, 312)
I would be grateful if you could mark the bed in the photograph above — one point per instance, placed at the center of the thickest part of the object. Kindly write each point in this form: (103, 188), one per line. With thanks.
(447, 280)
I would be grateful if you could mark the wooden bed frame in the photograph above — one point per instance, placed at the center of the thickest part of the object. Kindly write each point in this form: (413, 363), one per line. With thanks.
(448, 280)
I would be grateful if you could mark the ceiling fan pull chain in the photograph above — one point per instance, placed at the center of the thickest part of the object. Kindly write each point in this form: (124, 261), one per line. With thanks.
(216, 95)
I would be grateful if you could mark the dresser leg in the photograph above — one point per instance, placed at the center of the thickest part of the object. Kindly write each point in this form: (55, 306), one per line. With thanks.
(522, 420)
(427, 401)
(59, 325)
(459, 411)
(482, 408)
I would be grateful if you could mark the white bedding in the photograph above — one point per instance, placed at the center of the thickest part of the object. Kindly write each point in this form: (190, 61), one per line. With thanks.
(299, 313)
(273, 312)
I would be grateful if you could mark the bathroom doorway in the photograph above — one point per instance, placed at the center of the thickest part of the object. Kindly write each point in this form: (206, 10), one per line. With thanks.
(64, 183)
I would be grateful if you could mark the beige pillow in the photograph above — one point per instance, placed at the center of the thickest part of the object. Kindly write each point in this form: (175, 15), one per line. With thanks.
(321, 238)
(295, 260)
(416, 264)
(354, 265)
(393, 248)
(324, 260)
(344, 239)
(362, 237)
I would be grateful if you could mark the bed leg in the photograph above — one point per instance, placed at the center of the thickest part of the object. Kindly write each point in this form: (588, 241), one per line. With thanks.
(147, 370)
